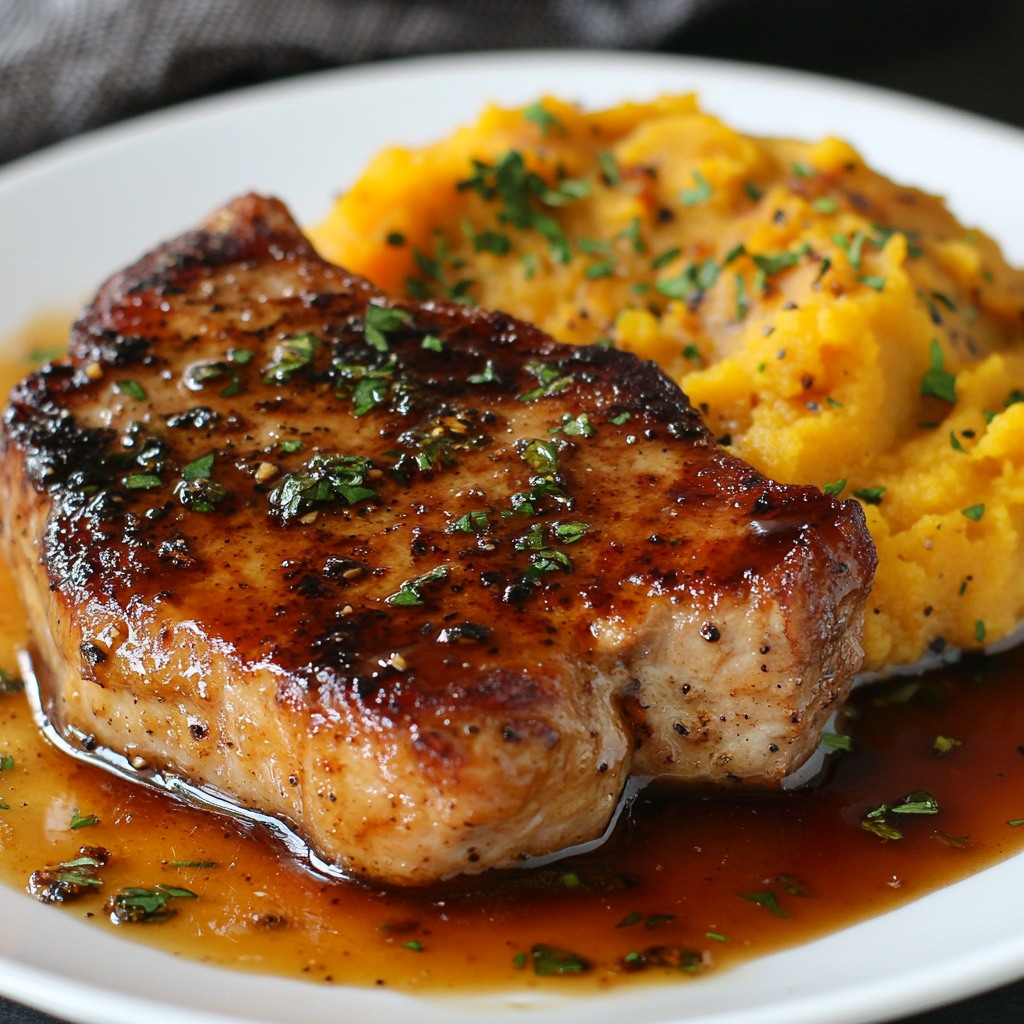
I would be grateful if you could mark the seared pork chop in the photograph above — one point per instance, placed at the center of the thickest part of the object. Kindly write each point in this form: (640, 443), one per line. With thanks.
(415, 578)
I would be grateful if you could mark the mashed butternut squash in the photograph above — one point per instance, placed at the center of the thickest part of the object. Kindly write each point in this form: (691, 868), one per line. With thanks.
(834, 327)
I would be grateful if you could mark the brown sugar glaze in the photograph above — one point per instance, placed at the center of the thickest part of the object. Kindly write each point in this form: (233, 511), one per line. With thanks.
(688, 883)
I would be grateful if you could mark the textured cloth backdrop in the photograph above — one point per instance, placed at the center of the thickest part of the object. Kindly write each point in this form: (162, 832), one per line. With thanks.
(70, 65)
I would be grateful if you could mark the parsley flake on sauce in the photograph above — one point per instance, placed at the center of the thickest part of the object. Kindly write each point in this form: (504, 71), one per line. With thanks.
(324, 480)
(131, 388)
(411, 591)
(289, 356)
(553, 960)
(136, 905)
(69, 879)
(197, 490)
(768, 900)
(379, 321)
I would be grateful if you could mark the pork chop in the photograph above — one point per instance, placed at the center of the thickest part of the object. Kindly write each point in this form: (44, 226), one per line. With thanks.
(416, 579)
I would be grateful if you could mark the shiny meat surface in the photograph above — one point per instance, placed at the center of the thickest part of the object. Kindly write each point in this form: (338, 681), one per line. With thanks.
(417, 579)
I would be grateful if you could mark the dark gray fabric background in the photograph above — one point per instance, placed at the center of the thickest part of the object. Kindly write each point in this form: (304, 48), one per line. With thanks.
(70, 65)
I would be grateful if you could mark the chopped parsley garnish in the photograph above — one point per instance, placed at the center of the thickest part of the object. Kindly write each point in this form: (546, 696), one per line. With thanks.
(836, 741)
(853, 247)
(775, 263)
(870, 495)
(700, 193)
(695, 279)
(553, 960)
(470, 522)
(379, 321)
(543, 119)
(576, 426)
(569, 533)
(767, 899)
(551, 380)
(917, 802)
(546, 483)
(609, 168)
(875, 823)
(69, 879)
(142, 481)
(742, 302)
(794, 887)
(289, 356)
(678, 957)
(131, 388)
(974, 512)
(835, 488)
(487, 240)
(937, 381)
(324, 480)
(488, 375)
(369, 391)
(135, 905)
(524, 195)
(79, 820)
(411, 591)
(600, 269)
(198, 491)
(665, 258)
(199, 469)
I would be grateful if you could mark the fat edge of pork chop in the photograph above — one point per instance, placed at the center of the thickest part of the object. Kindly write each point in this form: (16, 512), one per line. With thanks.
(416, 579)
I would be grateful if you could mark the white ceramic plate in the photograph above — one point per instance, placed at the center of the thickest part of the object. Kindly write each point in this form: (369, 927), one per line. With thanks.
(70, 216)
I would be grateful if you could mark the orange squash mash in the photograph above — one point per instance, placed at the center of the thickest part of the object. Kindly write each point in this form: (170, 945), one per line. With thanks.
(834, 327)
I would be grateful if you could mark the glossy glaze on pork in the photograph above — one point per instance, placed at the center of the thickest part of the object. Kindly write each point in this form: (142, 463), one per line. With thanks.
(415, 578)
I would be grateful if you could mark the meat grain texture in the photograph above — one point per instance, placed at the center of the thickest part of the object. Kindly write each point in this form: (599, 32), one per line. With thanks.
(414, 578)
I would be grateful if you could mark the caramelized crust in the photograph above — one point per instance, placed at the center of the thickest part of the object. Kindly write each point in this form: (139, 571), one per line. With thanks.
(415, 578)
